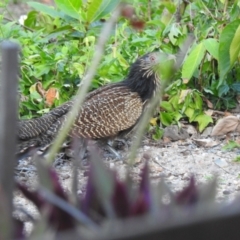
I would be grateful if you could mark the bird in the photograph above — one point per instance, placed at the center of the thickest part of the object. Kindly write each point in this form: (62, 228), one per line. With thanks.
(107, 112)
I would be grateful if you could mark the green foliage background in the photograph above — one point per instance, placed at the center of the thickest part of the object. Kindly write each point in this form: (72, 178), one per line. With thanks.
(58, 42)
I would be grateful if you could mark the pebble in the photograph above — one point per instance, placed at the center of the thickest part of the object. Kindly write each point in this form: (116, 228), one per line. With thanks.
(226, 192)
(65, 176)
(111, 165)
(221, 162)
(185, 176)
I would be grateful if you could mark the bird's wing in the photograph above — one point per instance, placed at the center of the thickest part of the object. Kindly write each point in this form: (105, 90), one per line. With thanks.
(104, 115)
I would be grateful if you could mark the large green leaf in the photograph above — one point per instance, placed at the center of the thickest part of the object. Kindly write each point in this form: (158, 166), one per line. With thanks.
(167, 106)
(93, 8)
(235, 46)
(70, 7)
(193, 60)
(203, 120)
(212, 46)
(106, 7)
(228, 48)
(166, 118)
(44, 9)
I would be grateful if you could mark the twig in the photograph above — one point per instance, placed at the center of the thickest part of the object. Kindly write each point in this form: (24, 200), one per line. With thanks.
(86, 82)
(16, 22)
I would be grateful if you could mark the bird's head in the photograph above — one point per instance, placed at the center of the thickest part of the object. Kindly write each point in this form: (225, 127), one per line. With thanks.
(155, 63)
(146, 71)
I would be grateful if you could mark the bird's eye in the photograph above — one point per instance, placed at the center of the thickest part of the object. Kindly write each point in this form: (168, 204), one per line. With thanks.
(152, 58)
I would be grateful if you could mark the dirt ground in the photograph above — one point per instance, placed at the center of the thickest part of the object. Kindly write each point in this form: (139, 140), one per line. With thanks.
(174, 161)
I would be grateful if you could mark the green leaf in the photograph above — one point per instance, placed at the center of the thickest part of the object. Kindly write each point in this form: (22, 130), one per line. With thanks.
(166, 118)
(106, 7)
(223, 89)
(70, 7)
(235, 46)
(228, 48)
(203, 120)
(190, 114)
(158, 133)
(237, 159)
(93, 8)
(231, 145)
(167, 106)
(212, 46)
(193, 60)
(177, 116)
(175, 101)
(44, 9)
(197, 100)
(236, 87)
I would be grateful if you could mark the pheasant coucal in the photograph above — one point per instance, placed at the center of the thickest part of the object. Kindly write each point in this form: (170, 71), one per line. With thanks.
(106, 112)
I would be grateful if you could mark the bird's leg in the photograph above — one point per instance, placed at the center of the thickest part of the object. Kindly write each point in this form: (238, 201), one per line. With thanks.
(119, 142)
(113, 151)
(79, 148)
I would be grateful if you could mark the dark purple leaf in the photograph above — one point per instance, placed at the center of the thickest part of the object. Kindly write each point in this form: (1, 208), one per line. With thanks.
(140, 206)
(57, 187)
(90, 203)
(144, 187)
(18, 229)
(57, 217)
(189, 195)
(33, 196)
(120, 199)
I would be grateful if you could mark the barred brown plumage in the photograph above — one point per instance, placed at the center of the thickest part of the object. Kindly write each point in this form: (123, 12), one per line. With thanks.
(106, 112)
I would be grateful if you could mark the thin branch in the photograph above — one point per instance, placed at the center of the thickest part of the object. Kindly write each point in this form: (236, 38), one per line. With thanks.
(16, 22)
(86, 82)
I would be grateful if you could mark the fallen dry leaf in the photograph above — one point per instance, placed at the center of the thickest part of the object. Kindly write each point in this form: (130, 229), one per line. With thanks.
(51, 95)
(209, 104)
(227, 114)
(226, 125)
(183, 95)
(205, 142)
(209, 112)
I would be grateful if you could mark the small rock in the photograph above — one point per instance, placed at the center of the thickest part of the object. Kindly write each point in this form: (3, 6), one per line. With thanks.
(175, 133)
(162, 175)
(207, 132)
(226, 192)
(111, 165)
(221, 162)
(65, 176)
(185, 176)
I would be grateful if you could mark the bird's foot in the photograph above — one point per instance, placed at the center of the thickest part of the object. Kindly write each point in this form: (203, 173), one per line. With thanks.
(120, 144)
(117, 156)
